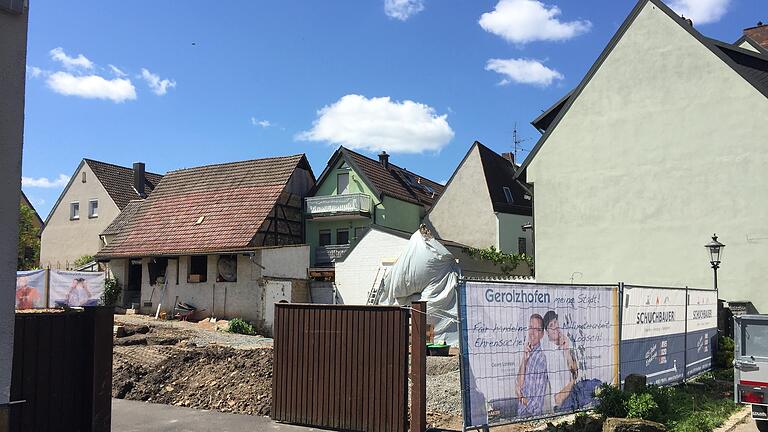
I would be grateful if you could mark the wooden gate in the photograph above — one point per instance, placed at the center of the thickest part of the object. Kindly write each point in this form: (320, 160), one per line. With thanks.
(341, 367)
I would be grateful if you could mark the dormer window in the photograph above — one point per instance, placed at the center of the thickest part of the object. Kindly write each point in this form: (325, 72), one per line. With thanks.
(508, 195)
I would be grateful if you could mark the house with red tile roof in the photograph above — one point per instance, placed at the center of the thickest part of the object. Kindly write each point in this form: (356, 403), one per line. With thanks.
(225, 238)
(96, 194)
(355, 192)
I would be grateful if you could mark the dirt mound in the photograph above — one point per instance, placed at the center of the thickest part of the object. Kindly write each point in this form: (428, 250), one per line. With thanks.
(215, 378)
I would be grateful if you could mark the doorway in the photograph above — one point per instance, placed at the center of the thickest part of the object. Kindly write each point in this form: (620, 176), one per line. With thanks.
(132, 294)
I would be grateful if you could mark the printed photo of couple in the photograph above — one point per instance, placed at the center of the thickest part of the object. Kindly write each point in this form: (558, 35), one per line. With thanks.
(548, 378)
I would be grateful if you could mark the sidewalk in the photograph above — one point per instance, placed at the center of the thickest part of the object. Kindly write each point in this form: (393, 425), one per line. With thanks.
(133, 416)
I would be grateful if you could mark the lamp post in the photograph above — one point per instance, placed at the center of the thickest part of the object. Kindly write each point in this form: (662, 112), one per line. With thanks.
(715, 249)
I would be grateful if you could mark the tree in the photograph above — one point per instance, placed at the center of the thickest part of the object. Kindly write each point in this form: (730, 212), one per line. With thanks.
(29, 239)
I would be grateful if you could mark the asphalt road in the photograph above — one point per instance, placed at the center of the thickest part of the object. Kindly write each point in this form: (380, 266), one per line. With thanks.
(133, 416)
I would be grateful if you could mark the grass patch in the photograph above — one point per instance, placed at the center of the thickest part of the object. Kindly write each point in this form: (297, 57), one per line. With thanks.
(701, 405)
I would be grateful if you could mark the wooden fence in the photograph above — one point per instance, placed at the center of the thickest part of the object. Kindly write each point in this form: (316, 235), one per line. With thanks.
(62, 371)
(341, 367)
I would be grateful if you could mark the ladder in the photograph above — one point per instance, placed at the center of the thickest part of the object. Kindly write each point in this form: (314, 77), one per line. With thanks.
(378, 284)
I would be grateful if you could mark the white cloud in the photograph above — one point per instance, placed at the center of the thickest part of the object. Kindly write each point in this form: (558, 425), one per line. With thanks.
(380, 124)
(92, 86)
(263, 123)
(34, 71)
(158, 86)
(403, 9)
(523, 71)
(71, 63)
(43, 182)
(701, 11)
(117, 71)
(523, 21)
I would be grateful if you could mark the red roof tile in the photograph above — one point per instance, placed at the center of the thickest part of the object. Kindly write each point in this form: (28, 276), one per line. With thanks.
(206, 209)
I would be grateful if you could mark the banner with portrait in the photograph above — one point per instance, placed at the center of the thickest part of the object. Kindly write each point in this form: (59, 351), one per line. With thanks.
(30, 289)
(71, 288)
(653, 334)
(535, 350)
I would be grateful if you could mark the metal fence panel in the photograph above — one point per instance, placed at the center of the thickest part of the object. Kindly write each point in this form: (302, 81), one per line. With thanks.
(62, 371)
(341, 367)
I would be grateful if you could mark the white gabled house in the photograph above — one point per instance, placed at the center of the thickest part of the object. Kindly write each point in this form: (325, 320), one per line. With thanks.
(663, 143)
(483, 204)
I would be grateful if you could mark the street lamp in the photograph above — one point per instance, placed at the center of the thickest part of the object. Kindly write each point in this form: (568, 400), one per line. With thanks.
(715, 249)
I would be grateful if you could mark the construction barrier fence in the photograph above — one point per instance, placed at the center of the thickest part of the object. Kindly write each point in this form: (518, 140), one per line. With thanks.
(538, 350)
(38, 289)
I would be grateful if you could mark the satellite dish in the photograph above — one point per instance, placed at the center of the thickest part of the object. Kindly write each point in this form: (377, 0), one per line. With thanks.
(227, 267)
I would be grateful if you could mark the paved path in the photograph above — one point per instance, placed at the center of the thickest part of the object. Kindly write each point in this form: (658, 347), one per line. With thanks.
(133, 416)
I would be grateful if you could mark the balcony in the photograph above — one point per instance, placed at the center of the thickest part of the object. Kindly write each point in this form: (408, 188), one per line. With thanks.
(339, 206)
(325, 255)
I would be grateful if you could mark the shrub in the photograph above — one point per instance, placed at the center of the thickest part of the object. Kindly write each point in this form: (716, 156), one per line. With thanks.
(240, 326)
(611, 401)
(643, 406)
(112, 290)
(724, 353)
(83, 260)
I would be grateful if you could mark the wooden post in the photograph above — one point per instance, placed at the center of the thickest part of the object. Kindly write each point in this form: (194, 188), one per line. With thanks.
(419, 366)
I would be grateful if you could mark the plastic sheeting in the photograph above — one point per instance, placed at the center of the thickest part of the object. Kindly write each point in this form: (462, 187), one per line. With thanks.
(426, 271)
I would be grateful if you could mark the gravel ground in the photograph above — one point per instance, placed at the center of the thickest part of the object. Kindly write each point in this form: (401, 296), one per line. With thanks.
(199, 334)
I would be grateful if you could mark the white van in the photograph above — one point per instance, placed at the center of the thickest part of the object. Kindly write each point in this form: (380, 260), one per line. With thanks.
(750, 362)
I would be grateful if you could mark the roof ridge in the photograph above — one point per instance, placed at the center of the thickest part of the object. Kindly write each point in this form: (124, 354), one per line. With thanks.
(299, 155)
(390, 163)
(87, 160)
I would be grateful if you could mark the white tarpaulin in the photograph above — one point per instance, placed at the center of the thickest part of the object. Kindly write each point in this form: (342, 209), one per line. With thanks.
(426, 271)
(30, 289)
(70, 288)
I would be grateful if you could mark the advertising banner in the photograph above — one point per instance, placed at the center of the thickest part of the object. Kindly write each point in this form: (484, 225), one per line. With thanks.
(653, 334)
(701, 336)
(30, 289)
(70, 288)
(535, 350)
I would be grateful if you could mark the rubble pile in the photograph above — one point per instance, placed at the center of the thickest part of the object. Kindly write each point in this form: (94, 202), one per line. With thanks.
(214, 378)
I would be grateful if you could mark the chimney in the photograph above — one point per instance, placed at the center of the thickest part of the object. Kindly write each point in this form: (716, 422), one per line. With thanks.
(384, 159)
(509, 156)
(138, 178)
(759, 34)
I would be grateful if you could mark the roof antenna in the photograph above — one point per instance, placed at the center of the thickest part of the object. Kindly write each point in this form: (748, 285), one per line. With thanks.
(516, 141)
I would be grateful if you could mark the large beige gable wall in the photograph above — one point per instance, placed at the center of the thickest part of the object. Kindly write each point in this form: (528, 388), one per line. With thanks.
(652, 158)
(64, 240)
(464, 212)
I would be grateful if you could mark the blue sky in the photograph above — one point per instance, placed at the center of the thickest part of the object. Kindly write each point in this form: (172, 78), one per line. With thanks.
(181, 84)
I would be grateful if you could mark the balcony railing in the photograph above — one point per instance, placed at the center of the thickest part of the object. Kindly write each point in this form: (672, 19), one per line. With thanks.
(329, 254)
(331, 205)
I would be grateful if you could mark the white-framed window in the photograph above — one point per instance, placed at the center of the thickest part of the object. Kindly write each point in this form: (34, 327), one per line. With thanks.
(342, 183)
(93, 208)
(74, 210)
(508, 194)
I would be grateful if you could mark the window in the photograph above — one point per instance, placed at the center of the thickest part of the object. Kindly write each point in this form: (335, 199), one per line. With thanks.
(342, 236)
(521, 249)
(198, 269)
(93, 208)
(83, 176)
(508, 194)
(325, 237)
(74, 210)
(227, 268)
(157, 269)
(342, 183)
(754, 339)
